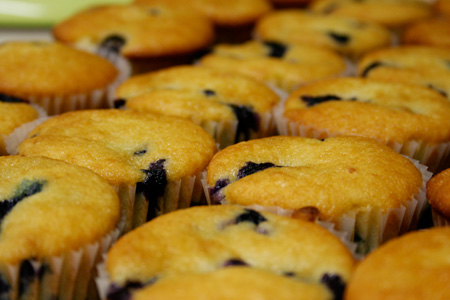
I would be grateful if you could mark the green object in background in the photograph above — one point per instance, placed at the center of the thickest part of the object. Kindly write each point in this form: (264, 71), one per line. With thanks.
(43, 13)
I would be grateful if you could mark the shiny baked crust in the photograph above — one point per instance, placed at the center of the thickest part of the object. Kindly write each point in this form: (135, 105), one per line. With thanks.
(280, 65)
(121, 145)
(39, 69)
(385, 111)
(204, 239)
(390, 13)
(48, 198)
(342, 34)
(414, 266)
(147, 30)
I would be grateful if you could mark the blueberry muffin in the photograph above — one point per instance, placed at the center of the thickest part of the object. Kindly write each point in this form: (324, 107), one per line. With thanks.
(14, 112)
(201, 240)
(389, 13)
(56, 77)
(150, 36)
(233, 19)
(280, 65)
(230, 284)
(153, 161)
(412, 119)
(45, 251)
(423, 65)
(431, 32)
(348, 36)
(414, 267)
(229, 106)
(438, 197)
(339, 178)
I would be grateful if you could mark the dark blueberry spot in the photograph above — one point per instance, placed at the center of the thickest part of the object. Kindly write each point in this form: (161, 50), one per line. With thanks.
(339, 38)
(27, 276)
(118, 103)
(313, 100)
(112, 44)
(26, 188)
(289, 274)
(154, 11)
(11, 99)
(247, 120)
(44, 269)
(276, 49)
(4, 287)
(437, 90)
(140, 152)
(214, 192)
(250, 216)
(370, 67)
(335, 284)
(209, 93)
(153, 186)
(123, 293)
(235, 262)
(251, 168)
(357, 238)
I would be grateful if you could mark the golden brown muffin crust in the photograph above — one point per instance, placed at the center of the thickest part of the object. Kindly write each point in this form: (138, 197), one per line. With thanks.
(337, 176)
(280, 65)
(223, 13)
(36, 69)
(414, 267)
(47, 223)
(390, 13)
(148, 30)
(342, 34)
(438, 192)
(385, 111)
(118, 145)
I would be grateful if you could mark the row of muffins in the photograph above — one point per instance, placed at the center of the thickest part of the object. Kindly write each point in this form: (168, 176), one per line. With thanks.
(247, 167)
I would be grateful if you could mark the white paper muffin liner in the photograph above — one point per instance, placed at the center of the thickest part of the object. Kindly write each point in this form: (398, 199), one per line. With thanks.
(369, 228)
(439, 220)
(66, 277)
(434, 156)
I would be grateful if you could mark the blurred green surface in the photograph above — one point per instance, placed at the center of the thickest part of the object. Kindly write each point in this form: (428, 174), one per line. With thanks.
(43, 13)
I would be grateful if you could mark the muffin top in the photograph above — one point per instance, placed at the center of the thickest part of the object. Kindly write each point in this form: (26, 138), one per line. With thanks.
(438, 192)
(345, 35)
(390, 13)
(335, 176)
(414, 266)
(389, 112)
(36, 69)
(423, 65)
(204, 95)
(123, 146)
(204, 239)
(42, 202)
(198, 93)
(431, 32)
(280, 65)
(231, 284)
(14, 112)
(223, 13)
(138, 30)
